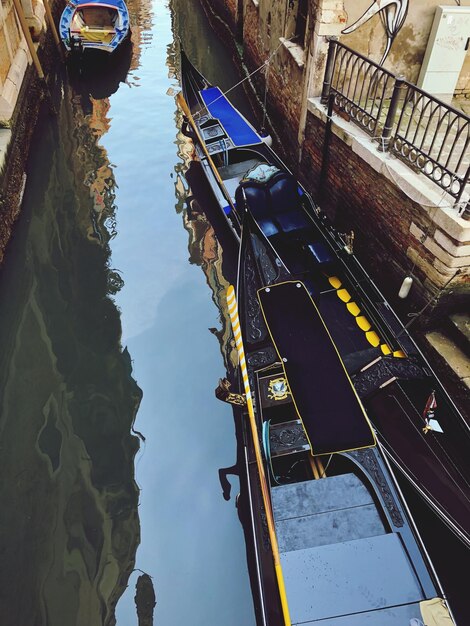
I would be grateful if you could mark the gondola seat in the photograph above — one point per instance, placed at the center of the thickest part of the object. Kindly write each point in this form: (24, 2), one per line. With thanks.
(292, 220)
(274, 202)
(320, 253)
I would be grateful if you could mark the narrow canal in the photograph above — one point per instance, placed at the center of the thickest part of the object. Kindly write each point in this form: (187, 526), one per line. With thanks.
(114, 452)
(112, 440)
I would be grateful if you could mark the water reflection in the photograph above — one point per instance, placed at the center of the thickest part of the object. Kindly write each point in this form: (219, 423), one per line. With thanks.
(98, 76)
(208, 53)
(203, 246)
(71, 523)
(69, 529)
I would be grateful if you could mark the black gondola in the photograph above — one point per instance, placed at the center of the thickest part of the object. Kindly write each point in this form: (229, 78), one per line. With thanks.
(418, 426)
(334, 541)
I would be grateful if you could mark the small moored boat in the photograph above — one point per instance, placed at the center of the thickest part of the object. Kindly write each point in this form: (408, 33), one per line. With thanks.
(94, 25)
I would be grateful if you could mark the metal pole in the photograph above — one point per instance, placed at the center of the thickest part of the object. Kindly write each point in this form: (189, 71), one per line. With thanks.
(330, 63)
(235, 322)
(51, 23)
(466, 210)
(326, 148)
(27, 35)
(392, 112)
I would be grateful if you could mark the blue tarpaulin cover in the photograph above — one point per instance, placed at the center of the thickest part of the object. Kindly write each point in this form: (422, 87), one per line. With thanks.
(235, 125)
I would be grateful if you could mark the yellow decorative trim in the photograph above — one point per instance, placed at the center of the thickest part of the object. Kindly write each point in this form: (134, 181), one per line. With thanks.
(363, 323)
(334, 282)
(353, 308)
(399, 354)
(373, 338)
(344, 295)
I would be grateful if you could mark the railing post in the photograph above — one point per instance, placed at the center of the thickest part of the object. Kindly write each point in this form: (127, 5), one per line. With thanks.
(466, 211)
(392, 112)
(330, 63)
(326, 149)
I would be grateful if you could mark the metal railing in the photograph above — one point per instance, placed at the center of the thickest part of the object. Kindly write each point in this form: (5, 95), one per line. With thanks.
(427, 134)
(361, 88)
(434, 138)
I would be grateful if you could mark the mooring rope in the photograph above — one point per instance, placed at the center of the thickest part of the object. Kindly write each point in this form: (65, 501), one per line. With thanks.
(263, 65)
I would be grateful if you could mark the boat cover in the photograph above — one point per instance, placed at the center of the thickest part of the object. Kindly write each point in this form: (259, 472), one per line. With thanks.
(102, 39)
(235, 125)
(325, 399)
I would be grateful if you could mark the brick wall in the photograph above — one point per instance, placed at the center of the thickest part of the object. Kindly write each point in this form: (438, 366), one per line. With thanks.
(384, 219)
(226, 10)
(262, 29)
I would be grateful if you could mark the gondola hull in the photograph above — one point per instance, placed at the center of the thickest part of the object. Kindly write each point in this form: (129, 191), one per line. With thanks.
(346, 545)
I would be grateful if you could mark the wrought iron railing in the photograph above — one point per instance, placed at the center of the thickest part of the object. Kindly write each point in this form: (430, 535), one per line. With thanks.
(429, 135)
(434, 138)
(360, 87)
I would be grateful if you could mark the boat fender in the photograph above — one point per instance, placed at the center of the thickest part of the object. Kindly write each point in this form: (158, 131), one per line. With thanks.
(266, 137)
(405, 287)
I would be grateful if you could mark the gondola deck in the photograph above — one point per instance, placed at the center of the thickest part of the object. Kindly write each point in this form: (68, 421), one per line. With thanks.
(324, 396)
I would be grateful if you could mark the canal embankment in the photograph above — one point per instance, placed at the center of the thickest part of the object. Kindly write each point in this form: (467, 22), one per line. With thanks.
(22, 93)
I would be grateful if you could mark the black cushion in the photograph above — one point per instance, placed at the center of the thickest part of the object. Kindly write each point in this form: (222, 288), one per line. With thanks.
(275, 203)
(292, 220)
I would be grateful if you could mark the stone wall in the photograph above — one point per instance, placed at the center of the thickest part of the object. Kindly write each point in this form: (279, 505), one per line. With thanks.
(409, 45)
(14, 55)
(26, 93)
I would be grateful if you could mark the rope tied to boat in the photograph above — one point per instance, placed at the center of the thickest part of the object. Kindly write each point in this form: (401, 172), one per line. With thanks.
(264, 65)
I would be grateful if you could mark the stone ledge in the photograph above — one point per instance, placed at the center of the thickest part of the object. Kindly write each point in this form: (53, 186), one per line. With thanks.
(444, 256)
(444, 241)
(454, 357)
(296, 51)
(433, 200)
(461, 325)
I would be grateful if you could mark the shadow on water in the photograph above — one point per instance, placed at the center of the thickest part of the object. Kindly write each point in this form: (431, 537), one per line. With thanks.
(97, 75)
(69, 527)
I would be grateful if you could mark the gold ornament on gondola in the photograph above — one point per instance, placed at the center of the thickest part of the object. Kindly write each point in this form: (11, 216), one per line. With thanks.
(278, 389)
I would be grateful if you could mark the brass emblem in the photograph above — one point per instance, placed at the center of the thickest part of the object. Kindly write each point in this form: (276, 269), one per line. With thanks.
(278, 389)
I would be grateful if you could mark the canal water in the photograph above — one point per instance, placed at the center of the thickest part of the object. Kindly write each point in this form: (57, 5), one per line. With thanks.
(114, 452)
(112, 441)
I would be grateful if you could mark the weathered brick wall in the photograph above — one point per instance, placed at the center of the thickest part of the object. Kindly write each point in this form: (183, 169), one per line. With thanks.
(357, 197)
(262, 28)
(227, 11)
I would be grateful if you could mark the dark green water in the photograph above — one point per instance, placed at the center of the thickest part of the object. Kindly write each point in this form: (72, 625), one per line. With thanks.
(112, 344)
